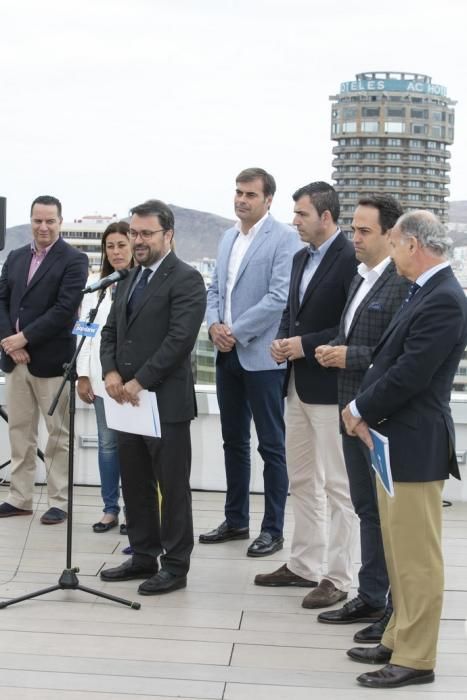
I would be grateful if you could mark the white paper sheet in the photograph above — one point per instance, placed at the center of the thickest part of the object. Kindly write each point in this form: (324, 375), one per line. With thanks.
(140, 420)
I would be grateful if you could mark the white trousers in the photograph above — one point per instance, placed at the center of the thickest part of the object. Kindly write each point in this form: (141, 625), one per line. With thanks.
(319, 485)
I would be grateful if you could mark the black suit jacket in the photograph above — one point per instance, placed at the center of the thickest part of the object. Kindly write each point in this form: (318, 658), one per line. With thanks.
(316, 319)
(371, 318)
(406, 391)
(46, 307)
(155, 343)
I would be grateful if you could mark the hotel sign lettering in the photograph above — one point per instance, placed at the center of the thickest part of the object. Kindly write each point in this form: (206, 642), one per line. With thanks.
(394, 86)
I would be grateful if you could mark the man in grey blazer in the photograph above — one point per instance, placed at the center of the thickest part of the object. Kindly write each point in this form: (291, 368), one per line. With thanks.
(245, 303)
(376, 293)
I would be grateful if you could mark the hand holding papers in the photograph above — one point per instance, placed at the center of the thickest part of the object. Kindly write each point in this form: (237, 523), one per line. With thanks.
(140, 420)
(380, 460)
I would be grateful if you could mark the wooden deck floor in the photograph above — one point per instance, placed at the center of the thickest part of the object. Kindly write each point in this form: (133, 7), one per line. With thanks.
(220, 638)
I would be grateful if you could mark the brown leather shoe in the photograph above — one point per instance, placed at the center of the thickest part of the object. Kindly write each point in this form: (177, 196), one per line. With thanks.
(323, 595)
(283, 577)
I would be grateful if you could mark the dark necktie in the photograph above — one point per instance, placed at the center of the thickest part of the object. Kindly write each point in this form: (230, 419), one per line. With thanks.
(135, 299)
(414, 287)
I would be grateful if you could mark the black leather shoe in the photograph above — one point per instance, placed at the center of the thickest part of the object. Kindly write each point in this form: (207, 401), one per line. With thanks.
(105, 527)
(224, 533)
(7, 510)
(264, 545)
(53, 516)
(373, 655)
(123, 530)
(163, 582)
(353, 611)
(127, 572)
(373, 634)
(394, 677)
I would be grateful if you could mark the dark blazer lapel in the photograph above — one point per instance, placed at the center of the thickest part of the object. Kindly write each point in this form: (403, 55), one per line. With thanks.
(297, 272)
(354, 286)
(323, 268)
(125, 285)
(157, 280)
(24, 263)
(50, 259)
(380, 282)
(406, 312)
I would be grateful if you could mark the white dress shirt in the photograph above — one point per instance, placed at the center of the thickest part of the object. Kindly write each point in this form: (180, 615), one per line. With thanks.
(239, 248)
(370, 276)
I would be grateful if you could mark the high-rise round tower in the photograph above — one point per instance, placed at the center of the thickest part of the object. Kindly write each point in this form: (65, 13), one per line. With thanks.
(392, 131)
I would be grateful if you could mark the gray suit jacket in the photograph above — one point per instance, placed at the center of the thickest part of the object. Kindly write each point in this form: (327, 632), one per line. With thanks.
(260, 291)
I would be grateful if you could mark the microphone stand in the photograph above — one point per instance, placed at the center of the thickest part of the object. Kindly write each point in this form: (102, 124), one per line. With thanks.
(68, 579)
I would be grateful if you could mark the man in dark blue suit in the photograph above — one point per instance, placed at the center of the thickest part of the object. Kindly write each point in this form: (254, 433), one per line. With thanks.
(405, 395)
(40, 292)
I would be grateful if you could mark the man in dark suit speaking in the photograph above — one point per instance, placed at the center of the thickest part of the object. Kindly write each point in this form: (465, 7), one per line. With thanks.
(146, 344)
(405, 395)
(40, 291)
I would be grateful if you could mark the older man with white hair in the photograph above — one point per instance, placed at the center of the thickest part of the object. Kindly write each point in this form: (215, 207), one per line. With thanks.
(405, 395)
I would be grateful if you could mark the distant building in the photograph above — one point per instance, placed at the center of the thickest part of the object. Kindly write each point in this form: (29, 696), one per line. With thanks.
(206, 267)
(85, 234)
(392, 131)
(203, 355)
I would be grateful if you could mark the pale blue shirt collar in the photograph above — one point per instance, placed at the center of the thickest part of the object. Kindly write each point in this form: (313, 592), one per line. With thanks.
(321, 250)
(428, 274)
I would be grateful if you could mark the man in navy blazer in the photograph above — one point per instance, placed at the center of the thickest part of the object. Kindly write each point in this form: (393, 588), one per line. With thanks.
(245, 303)
(376, 293)
(405, 395)
(40, 292)
(319, 285)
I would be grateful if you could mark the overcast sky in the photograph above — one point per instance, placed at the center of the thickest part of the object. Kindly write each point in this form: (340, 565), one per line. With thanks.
(105, 103)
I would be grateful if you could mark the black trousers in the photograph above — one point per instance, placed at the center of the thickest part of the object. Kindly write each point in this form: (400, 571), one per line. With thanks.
(147, 463)
(373, 576)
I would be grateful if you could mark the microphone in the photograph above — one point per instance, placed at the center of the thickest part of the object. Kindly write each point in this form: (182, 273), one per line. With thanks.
(106, 281)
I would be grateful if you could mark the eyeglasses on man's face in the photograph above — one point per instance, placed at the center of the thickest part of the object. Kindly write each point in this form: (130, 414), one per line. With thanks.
(145, 235)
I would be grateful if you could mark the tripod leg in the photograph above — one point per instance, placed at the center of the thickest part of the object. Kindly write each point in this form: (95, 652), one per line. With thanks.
(43, 591)
(115, 599)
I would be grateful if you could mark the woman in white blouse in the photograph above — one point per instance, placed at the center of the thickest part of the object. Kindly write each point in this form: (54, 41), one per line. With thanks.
(115, 255)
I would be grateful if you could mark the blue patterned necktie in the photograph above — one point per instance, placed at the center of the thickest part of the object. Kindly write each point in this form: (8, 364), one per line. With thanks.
(135, 299)
(414, 287)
